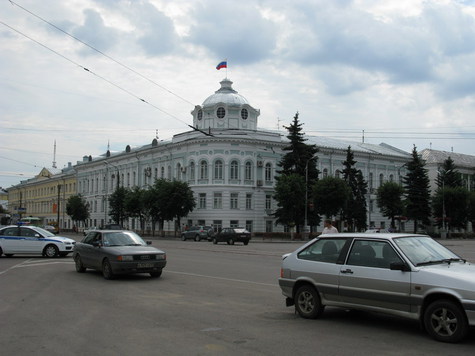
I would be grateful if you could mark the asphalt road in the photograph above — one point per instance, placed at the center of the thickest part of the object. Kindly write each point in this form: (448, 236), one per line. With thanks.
(210, 300)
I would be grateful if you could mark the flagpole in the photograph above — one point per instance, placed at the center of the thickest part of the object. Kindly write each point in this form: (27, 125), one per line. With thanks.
(226, 68)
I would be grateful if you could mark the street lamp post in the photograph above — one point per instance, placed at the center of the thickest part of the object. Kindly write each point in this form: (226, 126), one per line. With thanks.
(306, 228)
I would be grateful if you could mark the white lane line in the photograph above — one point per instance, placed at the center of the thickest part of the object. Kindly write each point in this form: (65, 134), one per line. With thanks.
(32, 263)
(222, 278)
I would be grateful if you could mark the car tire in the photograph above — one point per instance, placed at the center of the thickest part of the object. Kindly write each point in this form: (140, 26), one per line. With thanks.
(445, 321)
(1, 252)
(183, 237)
(107, 270)
(79, 266)
(308, 303)
(156, 274)
(231, 241)
(50, 251)
(197, 238)
(215, 241)
(9, 254)
(246, 243)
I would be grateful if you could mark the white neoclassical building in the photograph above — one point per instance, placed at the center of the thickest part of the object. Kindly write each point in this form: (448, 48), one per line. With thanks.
(230, 165)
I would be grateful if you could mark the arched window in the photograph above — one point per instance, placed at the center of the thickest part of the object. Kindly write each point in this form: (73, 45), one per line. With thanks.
(192, 170)
(162, 172)
(218, 169)
(325, 172)
(204, 170)
(248, 171)
(391, 178)
(370, 180)
(381, 179)
(268, 172)
(178, 171)
(234, 174)
(337, 173)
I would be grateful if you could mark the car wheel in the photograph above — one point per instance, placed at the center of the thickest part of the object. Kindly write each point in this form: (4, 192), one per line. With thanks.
(156, 274)
(51, 251)
(215, 241)
(246, 243)
(9, 254)
(231, 241)
(79, 266)
(307, 302)
(445, 321)
(183, 237)
(107, 270)
(1, 252)
(197, 238)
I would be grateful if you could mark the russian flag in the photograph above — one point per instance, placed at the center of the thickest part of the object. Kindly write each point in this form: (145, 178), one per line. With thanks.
(222, 64)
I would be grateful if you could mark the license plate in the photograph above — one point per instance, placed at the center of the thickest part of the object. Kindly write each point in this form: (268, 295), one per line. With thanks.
(144, 265)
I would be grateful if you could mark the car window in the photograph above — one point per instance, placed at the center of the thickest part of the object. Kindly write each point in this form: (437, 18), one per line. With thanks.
(11, 231)
(28, 232)
(90, 237)
(379, 254)
(323, 250)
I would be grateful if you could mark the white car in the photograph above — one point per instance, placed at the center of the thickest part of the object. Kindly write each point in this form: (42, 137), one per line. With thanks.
(33, 240)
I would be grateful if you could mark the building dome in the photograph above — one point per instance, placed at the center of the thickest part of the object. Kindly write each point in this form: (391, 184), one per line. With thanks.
(225, 95)
(225, 109)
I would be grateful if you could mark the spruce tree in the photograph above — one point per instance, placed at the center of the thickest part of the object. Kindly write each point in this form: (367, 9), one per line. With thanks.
(416, 185)
(300, 160)
(355, 210)
(449, 176)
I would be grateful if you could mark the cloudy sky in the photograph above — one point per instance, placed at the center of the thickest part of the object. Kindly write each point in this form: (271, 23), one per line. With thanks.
(401, 70)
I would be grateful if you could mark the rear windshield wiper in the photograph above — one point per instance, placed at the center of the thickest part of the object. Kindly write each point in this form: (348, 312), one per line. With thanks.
(446, 260)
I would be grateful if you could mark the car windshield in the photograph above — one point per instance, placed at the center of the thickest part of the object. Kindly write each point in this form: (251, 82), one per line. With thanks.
(123, 238)
(240, 231)
(422, 250)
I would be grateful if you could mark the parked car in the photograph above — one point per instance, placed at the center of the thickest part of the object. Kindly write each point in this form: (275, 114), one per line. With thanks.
(112, 227)
(117, 252)
(230, 235)
(33, 240)
(198, 233)
(89, 229)
(407, 275)
(50, 228)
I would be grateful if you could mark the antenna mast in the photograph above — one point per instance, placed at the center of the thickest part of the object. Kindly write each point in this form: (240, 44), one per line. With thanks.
(54, 155)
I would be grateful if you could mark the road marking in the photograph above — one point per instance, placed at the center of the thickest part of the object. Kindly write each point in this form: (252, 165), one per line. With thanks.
(222, 278)
(32, 263)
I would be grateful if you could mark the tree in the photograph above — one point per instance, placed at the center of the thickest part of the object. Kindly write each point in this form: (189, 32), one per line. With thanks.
(471, 207)
(77, 208)
(288, 194)
(299, 160)
(354, 211)
(176, 200)
(134, 205)
(118, 211)
(452, 205)
(448, 175)
(330, 195)
(416, 185)
(389, 200)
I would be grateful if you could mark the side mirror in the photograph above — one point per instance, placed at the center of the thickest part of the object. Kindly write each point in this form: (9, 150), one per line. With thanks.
(399, 266)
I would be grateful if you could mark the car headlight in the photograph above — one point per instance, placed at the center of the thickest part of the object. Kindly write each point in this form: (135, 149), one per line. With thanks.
(125, 258)
(161, 257)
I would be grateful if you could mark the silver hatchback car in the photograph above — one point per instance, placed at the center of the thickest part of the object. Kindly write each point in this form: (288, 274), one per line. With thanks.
(411, 276)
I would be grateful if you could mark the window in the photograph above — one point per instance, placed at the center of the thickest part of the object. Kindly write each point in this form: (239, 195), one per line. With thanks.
(370, 181)
(268, 201)
(218, 169)
(200, 114)
(218, 201)
(248, 171)
(325, 172)
(268, 172)
(204, 170)
(323, 250)
(234, 174)
(217, 225)
(178, 171)
(234, 223)
(155, 174)
(162, 172)
(244, 114)
(268, 225)
(248, 201)
(337, 173)
(379, 254)
(234, 200)
(202, 201)
(381, 179)
(221, 112)
(192, 170)
(169, 169)
(391, 178)
(134, 178)
(249, 225)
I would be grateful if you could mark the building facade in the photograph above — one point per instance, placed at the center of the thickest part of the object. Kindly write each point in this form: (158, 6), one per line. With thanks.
(229, 164)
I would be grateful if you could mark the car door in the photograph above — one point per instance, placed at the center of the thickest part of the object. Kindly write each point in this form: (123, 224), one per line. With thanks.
(88, 252)
(31, 241)
(10, 239)
(367, 280)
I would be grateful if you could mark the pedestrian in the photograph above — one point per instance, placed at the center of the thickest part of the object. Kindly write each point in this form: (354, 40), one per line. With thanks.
(329, 228)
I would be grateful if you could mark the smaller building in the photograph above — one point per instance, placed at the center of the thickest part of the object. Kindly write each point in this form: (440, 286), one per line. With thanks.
(44, 197)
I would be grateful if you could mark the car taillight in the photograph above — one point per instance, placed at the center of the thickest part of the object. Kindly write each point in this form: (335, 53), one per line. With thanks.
(281, 273)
